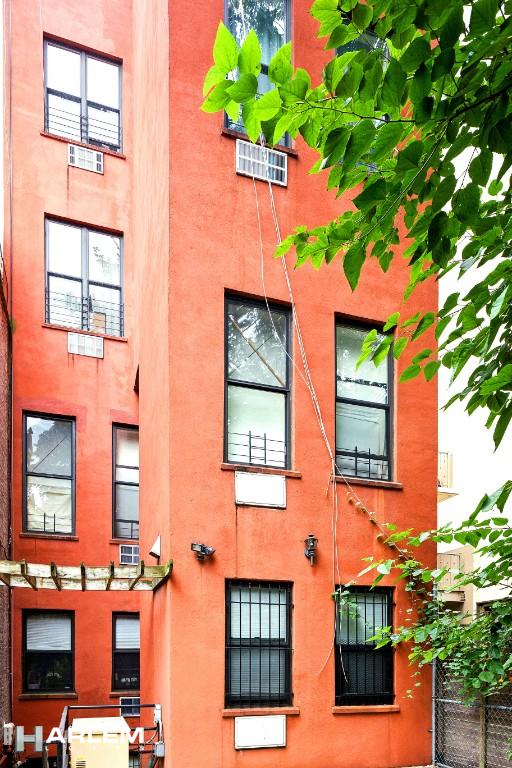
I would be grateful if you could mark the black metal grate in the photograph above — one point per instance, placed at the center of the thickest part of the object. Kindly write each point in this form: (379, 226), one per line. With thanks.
(85, 313)
(66, 120)
(258, 644)
(248, 448)
(364, 674)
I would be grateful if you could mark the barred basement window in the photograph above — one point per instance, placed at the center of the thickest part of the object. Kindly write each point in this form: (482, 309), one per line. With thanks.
(49, 474)
(126, 652)
(257, 384)
(363, 409)
(82, 96)
(258, 644)
(364, 673)
(47, 651)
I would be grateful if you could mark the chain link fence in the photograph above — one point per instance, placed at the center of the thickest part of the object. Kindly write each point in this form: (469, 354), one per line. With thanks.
(475, 735)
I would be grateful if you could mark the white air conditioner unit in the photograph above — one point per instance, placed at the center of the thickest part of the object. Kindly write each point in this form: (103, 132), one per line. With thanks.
(88, 159)
(129, 706)
(129, 554)
(83, 344)
(261, 162)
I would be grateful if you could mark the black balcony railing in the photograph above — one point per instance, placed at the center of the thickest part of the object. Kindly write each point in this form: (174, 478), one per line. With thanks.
(364, 464)
(85, 313)
(248, 448)
(67, 120)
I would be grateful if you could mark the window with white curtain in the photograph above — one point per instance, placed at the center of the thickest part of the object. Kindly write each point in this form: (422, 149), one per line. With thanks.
(49, 474)
(126, 652)
(364, 673)
(257, 384)
(363, 408)
(83, 96)
(126, 483)
(271, 20)
(258, 644)
(47, 651)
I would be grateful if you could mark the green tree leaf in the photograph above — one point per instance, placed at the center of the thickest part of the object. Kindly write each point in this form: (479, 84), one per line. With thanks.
(268, 106)
(280, 69)
(225, 50)
(243, 89)
(249, 57)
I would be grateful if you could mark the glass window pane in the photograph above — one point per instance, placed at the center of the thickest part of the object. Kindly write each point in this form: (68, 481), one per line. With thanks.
(127, 455)
(367, 382)
(258, 672)
(64, 249)
(255, 354)
(48, 632)
(256, 426)
(102, 82)
(360, 427)
(49, 505)
(63, 70)
(64, 303)
(104, 258)
(103, 126)
(49, 446)
(63, 117)
(360, 616)
(268, 19)
(48, 671)
(105, 310)
(127, 632)
(127, 507)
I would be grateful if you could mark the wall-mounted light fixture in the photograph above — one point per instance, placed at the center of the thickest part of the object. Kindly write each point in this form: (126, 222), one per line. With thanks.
(202, 551)
(310, 544)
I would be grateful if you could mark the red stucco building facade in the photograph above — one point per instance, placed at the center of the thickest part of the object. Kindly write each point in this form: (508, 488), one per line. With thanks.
(160, 258)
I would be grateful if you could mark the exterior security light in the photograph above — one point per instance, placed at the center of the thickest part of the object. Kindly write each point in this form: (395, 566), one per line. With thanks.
(202, 551)
(310, 544)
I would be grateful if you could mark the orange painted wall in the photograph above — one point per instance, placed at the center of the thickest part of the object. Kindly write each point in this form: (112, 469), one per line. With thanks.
(97, 393)
(211, 247)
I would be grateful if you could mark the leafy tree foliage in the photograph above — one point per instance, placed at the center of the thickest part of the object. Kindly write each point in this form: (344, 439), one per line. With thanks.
(412, 117)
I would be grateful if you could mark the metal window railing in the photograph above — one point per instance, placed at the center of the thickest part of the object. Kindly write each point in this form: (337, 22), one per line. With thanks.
(81, 127)
(249, 448)
(84, 313)
(126, 529)
(363, 464)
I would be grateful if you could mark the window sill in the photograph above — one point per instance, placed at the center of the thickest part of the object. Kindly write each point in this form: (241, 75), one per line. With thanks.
(130, 542)
(124, 339)
(367, 709)
(389, 484)
(255, 711)
(226, 467)
(35, 696)
(232, 134)
(68, 140)
(117, 694)
(50, 536)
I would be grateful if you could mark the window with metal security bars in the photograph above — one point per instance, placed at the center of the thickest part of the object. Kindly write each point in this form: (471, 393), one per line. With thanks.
(129, 706)
(271, 21)
(126, 652)
(258, 644)
(88, 159)
(363, 408)
(48, 651)
(364, 673)
(48, 474)
(129, 554)
(83, 278)
(82, 96)
(126, 483)
(261, 162)
(257, 384)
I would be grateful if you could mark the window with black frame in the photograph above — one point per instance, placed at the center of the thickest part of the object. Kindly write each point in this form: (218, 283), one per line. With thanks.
(258, 644)
(49, 474)
(48, 651)
(257, 384)
(271, 20)
(126, 652)
(126, 483)
(83, 96)
(363, 408)
(83, 278)
(364, 673)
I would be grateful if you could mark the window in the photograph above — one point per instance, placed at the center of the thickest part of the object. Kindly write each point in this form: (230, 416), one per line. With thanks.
(83, 278)
(133, 760)
(83, 96)
(48, 651)
(257, 384)
(271, 20)
(258, 644)
(364, 673)
(126, 652)
(49, 474)
(126, 483)
(129, 706)
(363, 418)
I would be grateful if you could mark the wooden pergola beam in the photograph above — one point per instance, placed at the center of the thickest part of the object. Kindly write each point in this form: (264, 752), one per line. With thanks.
(83, 576)
(55, 576)
(24, 572)
(140, 574)
(110, 576)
